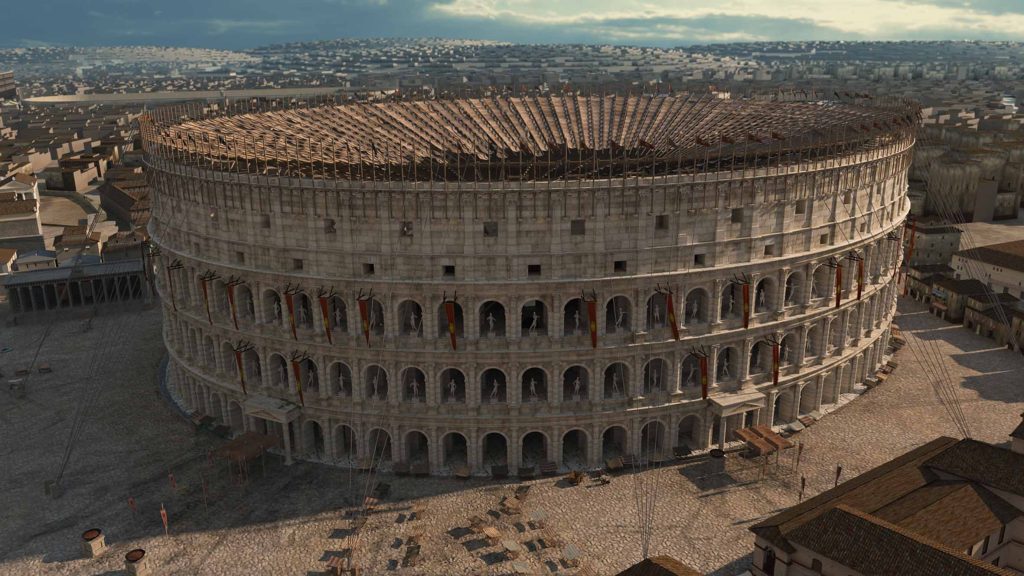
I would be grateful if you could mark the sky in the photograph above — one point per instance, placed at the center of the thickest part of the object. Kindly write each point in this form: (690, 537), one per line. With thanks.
(238, 24)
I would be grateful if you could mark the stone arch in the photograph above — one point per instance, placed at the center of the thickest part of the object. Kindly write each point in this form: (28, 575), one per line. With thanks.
(341, 380)
(417, 448)
(309, 373)
(655, 375)
(534, 318)
(784, 411)
(575, 383)
(830, 389)
(219, 299)
(217, 407)
(492, 319)
(245, 305)
(442, 321)
(278, 371)
(764, 295)
(794, 289)
(376, 379)
(574, 318)
(835, 334)
(616, 381)
(809, 398)
(787, 349)
(689, 372)
(821, 284)
(252, 367)
(614, 442)
(813, 338)
(494, 449)
(378, 445)
(455, 450)
(414, 385)
(696, 306)
(574, 449)
(617, 312)
(452, 386)
(313, 440)
(727, 368)
(657, 311)
(688, 432)
(337, 312)
(493, 386)
(226, 362)
(375, 316)
(410, 318)
(236, 419)
(732, 301)
(345, 444)
(653, 439)
(760, 361)
(534, 449)
(273, 307)
(534, 385)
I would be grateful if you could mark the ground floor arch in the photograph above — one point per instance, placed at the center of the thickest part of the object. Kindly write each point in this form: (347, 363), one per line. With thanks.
(574, 449)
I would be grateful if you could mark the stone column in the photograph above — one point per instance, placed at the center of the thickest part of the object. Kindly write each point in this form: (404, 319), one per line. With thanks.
(723, 431)
(743, 371)
(287, 444)
(713, 367)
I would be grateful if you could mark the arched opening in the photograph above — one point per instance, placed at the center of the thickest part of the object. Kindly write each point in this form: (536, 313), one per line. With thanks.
(617, 315)
(534, 386)
(414, 385)
(689, 372)
(303, 311)
(821, 284)
(657, 311)
(341, 380)
(727, 368)
(828, 391)
(575, 384)
(337, 310)
(783, 412)
(376, 379)
(278, 371)
(410, 319)
(794, 289)
(375, 316)
(252, 367)
(787, 350)
(495, 450)
(835, 333)
(809, 398)
(344, 444)
(378, 445)
(442, 321)
(696, 306)
(227, 358)
(313, 438)
(811, 345)
(613, 442)
(272, 312)
(616, 380)
(235, 418)
(574, 450)
(456, 451)
(574, 318)
(764, 295)
(417, 448)
(688, 434)
(652, 440)
(732, 300)
(492, 320)
(492, 387)
(760, 358)
(534, 319)
(310, 375)
(453, 386)
(655, 376)
(217, 407)
(535, 449)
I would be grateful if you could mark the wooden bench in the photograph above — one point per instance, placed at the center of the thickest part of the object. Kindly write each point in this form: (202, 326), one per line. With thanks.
(21, 371)
(44, 368)
(613, 464)
(526, 472)
(548, 468)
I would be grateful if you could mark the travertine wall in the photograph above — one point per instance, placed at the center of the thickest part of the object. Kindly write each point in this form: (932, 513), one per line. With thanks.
(500, 249)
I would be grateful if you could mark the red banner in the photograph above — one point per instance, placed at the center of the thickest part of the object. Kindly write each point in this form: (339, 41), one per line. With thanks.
(364, 315)
(206, 298)
(297, 371)
(327, 322)
(670, 307)
(290, 300)
(592, 319)
(704, 377)
(746, 305)
(163, 517)
(860, 278)
(839, 284)
(231, 304)
(170, 288)
(775, 364)
(241, 371)
(913, 236)
(449, 312)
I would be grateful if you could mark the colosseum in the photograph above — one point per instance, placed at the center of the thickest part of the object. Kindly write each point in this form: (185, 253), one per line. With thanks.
(523, 283)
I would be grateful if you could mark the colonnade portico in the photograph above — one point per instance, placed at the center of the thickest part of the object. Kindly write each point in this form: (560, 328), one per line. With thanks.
(581, 310)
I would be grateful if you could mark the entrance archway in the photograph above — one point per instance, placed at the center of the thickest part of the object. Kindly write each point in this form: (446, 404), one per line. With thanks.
(574, 450)
(313, 439)
(456, 451)
(378, 445)
(535, 449)
(652, 440)
(417, 448)
(345, 444)
(495, 450)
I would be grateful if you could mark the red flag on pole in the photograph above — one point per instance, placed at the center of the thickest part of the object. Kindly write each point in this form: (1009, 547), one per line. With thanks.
(327, 322)
(704, 377)
(290, 300)
(670, 307)
(592, 319)
(860, 278)
(163, 517)
(839, 284)
(231, 304)
(746, 305)
(297, 371)
(449, 312)
(364, 315)
(174, 484)
(241, 370)
(170, 288)
(775, 364)
(206, 299)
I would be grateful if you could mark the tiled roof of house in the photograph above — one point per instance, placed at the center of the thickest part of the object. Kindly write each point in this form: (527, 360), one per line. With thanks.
(659, 566)
(1008, 255)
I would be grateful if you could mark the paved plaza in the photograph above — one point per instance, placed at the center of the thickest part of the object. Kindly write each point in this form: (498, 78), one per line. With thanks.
(287, 520)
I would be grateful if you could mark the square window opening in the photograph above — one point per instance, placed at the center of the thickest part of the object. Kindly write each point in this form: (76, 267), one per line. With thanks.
(700, 260)
(661, 222)
(620, 266)
(490, 229)
(448, 270)
(737, 215)
(533, 270)
(578, 227)
(368, 269)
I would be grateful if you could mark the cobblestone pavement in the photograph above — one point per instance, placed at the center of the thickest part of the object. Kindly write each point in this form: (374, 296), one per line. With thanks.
(287, 520)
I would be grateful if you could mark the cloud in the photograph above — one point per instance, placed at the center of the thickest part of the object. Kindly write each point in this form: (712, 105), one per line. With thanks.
(224, 26)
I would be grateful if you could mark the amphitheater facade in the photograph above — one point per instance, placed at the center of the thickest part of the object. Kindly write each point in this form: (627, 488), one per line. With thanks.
(511, 282)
